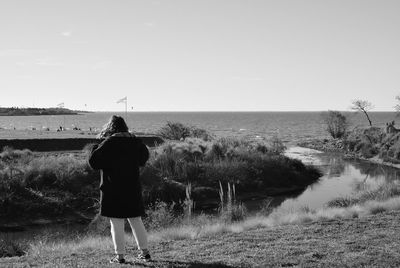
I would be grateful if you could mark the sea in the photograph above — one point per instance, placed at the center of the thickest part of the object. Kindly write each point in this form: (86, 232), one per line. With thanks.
(290, 127)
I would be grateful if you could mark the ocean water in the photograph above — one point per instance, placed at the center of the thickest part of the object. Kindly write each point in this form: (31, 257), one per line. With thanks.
(289, 126)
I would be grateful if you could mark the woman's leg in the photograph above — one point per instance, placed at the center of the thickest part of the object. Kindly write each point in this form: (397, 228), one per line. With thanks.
(140, 233)
(117, 234)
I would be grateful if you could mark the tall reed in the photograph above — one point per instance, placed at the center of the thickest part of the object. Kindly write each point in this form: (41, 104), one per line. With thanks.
(230, 210)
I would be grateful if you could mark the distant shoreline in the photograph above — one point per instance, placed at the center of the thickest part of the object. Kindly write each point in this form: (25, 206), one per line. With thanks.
(13, 111)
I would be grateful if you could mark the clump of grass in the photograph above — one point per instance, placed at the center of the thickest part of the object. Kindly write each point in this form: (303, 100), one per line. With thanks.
(69, 243)
(341, 202)
(11, 248)
(161, 215)
(230, 209)
(381, 193)
(188, 203)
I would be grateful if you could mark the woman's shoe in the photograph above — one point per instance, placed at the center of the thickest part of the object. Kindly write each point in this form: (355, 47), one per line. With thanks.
(143, 257)
(117, 260)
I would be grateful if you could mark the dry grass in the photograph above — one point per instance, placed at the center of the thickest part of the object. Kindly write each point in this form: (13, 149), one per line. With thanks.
(336, 237)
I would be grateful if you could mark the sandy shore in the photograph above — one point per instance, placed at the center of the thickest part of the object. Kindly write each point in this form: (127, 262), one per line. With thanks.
(42, 134)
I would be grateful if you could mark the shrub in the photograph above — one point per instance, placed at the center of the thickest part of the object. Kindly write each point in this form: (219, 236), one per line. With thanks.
(46, 185)
(369, 142)
(336, 123)
(179, 131)
(276, 146)
(65, 173)
(11, 248)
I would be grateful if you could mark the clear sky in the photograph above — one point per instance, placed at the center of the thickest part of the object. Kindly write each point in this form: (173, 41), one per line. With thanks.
(218, 55)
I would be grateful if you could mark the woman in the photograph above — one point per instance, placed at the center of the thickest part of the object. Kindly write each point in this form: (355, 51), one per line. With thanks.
(119, 157)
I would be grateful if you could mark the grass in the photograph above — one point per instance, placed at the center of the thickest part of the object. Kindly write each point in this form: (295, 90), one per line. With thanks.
(351, 233)
(383, 192)
(365, 235)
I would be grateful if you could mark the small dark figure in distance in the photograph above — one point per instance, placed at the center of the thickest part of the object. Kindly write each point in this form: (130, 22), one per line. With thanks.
(119, 157)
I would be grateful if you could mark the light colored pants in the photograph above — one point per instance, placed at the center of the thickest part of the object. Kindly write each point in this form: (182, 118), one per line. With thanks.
(118, 233)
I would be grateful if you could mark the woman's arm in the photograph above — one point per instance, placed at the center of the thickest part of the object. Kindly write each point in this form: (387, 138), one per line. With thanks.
(143, 154)
(99, 156)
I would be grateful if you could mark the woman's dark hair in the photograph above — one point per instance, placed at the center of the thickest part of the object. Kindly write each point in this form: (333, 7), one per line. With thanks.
(115, 124)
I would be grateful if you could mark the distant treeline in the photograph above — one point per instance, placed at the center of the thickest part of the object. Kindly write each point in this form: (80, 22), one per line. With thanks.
(35, 111)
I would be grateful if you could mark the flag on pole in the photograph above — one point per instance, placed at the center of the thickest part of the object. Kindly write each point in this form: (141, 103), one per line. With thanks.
(122, 100)
(60, 105)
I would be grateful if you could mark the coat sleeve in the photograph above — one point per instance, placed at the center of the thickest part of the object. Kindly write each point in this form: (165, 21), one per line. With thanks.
(98, 158)
(143, 154)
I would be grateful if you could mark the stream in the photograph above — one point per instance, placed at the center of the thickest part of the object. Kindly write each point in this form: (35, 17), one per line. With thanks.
(341, 177)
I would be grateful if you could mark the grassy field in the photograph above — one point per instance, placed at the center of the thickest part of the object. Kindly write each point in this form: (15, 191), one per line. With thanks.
(367, 241)
(364, 234)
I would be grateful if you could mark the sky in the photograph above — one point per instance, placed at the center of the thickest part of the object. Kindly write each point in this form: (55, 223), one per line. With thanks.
(204, 55)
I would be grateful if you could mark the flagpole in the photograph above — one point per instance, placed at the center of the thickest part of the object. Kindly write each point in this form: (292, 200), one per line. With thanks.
(126, 109)
(125, 100)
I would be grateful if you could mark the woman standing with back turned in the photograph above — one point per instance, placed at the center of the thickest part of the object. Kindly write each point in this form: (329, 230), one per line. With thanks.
(119, 157)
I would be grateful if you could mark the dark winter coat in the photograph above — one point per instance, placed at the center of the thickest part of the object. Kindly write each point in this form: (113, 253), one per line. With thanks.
(119, 158)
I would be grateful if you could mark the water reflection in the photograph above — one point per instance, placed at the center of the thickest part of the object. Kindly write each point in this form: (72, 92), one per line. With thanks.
(342, 177)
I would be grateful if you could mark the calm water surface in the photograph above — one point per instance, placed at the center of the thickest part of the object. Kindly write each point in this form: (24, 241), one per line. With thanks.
(341, 177)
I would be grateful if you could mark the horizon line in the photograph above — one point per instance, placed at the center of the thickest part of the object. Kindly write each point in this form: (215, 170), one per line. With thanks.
(241, 111)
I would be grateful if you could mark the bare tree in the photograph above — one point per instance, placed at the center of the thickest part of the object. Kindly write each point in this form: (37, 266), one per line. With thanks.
(362, 106)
